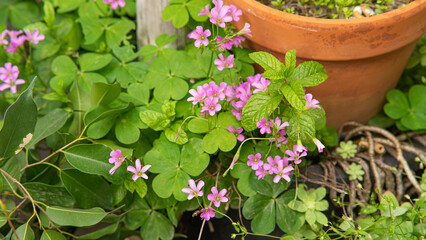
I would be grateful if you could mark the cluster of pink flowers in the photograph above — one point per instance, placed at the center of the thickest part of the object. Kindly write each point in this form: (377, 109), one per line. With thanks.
(215, 198)
(114, 3)
(277, 165)
(9, 76)
(241, 93)
(220, 15)
(274, 127)
(17, 40)
(138, 171)
(208, 97)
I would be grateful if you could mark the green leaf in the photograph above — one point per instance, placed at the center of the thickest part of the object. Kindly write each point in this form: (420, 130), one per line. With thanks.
(75, 217)
(124, 53)
(177, 13)
(24, 232)
(310, 216)
(262, 210)
(290, 61)
(198, 125)
(86, 80)
(126, 132)
(219, 139)
(140, 187)
(309, 74)
(193, 159)
(163, 156)
(92, 29)
(94, 61)
(65, 70)
(259, 106)
(170, 182)
(194, 9)
(268, 61)
(92, 159)
(104, 94)
(139, 93)
(52, 235)
(50, 195)
(328, 136)
(318, 114)
(398, 105)
(417, 99)
(117, 33)
(155, 120)
(23, 13)
(381, 120)
(157, 226)
(287, 219)
(164, 39)
(102, 112)
(294, 94)
(172, 132)
(98, 234)
(302, 126)
(67, 6)
(88, 190)
(19, 120)
(48, 125)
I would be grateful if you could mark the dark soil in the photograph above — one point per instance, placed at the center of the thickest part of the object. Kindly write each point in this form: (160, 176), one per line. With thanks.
(321, 10)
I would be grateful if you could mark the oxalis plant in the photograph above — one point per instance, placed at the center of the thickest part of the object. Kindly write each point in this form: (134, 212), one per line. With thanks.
(132, 146)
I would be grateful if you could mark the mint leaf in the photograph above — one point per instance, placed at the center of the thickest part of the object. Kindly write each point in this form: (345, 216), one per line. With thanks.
(259, 106)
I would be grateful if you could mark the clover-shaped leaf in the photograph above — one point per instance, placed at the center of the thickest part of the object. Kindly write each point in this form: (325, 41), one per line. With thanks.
(174, 166)
(221, 138)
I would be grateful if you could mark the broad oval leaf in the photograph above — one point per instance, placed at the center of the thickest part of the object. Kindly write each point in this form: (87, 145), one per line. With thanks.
(24, 232)
(94, 61)
(294, 94)
(19, 120)
(75, 217)
(52, 235)
(88, 190)
(193, 159)
(49, 194)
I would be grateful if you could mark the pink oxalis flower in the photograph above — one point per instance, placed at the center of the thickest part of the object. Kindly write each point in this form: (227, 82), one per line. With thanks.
(198, 95)
(207, 213)
(220, 14)
(254, 161)
(283, 171)
(261, 173)
(34, 37)
(139, 171)
(319, 144)
(116, 157)
(264, 126)
(237, 132)
(9, 76)
(217, 197)
(310, 102)
(296, 155)
(200, 36)
(194, 190)
(223, 62)
(211, 106)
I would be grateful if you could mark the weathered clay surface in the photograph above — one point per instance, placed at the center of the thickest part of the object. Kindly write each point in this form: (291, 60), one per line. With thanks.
(364, 58)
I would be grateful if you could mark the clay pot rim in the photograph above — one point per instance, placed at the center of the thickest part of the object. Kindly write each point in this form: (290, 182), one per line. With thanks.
(321, 23)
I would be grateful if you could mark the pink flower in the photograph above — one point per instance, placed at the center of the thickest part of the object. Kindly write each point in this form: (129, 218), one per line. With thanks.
(320, 146)
(200, 36)
(8, 72)
(116, 3)
(235, 13)
(262, 85)
(277, 124)
(217, 197)
(205, 11)
(254, 79)
(254, 161)
(245, 30)
(2, 36)
(113, 169)
(34, 37)
(223, 62)
(237, 132)
(264, 126)
(261, 173)
(211, 106)
(224, 43)
(279, 137)
(116, 157)
(272, 165)
(207, 213)
(311, 103)
(243, 91)
(139, 171)
(283, 171)
(9, 75)
(295, 155)
(197, 96)
(220, 14)
(215, 91)
(230, 93)
(194, 190)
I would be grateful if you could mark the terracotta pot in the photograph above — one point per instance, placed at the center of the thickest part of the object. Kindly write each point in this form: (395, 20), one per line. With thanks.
(364, 58)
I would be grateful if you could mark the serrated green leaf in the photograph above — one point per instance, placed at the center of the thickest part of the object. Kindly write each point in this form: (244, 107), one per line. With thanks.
(259, 106)
(302, 126)
(294, 94)
(155, 120)
(268, 61)
(309, 74)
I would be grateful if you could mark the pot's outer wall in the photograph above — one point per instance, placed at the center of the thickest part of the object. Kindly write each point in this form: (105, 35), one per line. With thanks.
(364, 58)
